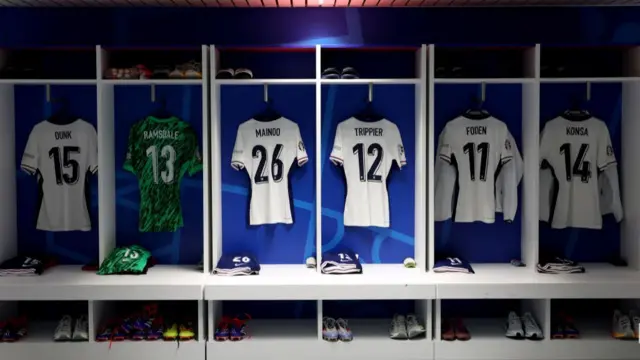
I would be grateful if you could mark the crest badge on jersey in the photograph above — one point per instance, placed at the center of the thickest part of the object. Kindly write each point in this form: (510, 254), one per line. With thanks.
(401, 150)
(609, 150)
(300, 145)
(507, 144)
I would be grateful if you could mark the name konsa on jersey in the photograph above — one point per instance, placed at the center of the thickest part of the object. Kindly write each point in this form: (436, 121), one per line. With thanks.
(161, 134)
(577, 131)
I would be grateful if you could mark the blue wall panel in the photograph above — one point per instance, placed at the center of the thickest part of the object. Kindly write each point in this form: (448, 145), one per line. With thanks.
(74, 247)
(479, 242)
(605, 104)
(133, 103)
(280, 243)
(374, 245)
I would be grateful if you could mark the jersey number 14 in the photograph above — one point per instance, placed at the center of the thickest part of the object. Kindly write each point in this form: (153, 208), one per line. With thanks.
(579, 167)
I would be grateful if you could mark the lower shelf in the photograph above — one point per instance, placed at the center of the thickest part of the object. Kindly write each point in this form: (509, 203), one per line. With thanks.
(489, 343)
(29, 350)
(370, 341)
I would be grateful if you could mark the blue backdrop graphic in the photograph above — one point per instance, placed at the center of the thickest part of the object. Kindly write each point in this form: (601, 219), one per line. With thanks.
(605, 104)
(479, 242)
(75, 247)
(133, 104)
(374, 245)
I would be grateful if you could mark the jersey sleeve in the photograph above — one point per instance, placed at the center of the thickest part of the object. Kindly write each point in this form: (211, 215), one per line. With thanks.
(399, 154)
(301, 151)
(445, 152)
(610, 202)
(519, 168)
(507, 151)
(238, 157)
(29, 163)
(606, 156)
(93, 151)
(195, 162)
(128, 161)
(444, 186)
(336, 156)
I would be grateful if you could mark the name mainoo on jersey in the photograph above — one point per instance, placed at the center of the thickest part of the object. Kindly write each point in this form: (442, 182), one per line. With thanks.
(368, 131)
(476, 130)
(268, 132)
(577, 131)
(63, 135)
(161, 134)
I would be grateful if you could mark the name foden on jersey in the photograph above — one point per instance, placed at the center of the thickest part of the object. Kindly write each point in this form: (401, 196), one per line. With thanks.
(161, 134)
(63, 135)
(368, 131)
(577, 131)
(268, 132)
(476, 130)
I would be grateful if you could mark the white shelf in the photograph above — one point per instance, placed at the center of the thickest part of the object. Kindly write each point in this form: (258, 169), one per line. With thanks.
(370, 81)
(595, 343)
(589, 79)
(71, 283)
(489, 343)
(135, 350)
(264, 81)
(483, 80)
(49, 81)
(503, 281)
(296, 282)
(153, 82)
(371, 341)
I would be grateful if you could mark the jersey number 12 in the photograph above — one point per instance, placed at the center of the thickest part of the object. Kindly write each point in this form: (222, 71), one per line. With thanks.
(373, 150)
(471, 149)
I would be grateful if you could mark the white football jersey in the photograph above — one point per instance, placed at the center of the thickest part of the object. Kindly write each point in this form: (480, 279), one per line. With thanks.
(578, 152)
(479, 151)
(62, 156)
(267, 150)
(367, 150)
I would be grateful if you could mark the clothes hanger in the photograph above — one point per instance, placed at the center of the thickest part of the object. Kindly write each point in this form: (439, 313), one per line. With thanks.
(161, 111)
(267, 114)
(368, 113)
(62, 115)
(577, 111)
(476, 111)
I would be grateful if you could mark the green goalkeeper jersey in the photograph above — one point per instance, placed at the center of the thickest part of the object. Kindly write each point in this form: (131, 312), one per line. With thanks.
(159, 153)
(125, 260)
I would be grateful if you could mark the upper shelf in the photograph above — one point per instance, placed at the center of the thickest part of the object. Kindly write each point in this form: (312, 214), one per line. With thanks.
(67, 282)
(310, 65)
